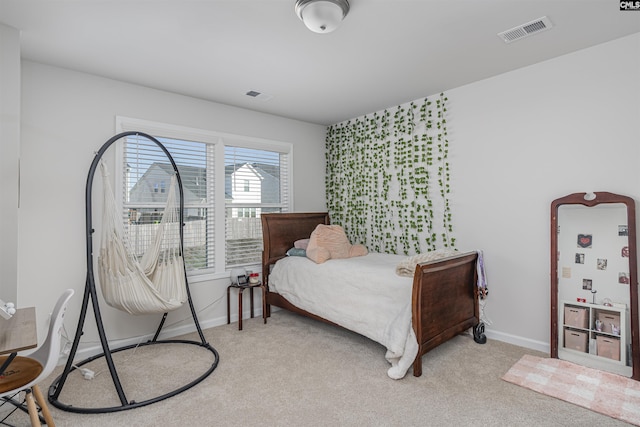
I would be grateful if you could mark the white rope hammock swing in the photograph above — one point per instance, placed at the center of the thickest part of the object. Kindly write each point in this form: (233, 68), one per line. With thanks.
(155, 283)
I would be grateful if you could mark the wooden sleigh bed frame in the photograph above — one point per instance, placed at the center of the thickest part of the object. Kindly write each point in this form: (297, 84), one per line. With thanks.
(445, 293)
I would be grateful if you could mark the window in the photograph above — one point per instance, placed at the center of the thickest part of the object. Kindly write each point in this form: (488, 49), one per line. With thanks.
(161, 186)
(227, 180)
(246, 212)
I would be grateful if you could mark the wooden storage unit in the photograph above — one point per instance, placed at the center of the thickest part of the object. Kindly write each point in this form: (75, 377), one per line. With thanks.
(581, 341)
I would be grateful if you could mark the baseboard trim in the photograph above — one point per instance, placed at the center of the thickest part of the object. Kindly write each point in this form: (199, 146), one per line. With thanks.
(518, 340)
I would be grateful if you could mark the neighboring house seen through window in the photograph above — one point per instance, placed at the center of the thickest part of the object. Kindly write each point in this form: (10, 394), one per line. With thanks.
(228, 182)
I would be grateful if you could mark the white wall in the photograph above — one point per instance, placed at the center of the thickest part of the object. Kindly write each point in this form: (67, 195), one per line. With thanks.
(9, 159)
(525, 138)
(66, 117)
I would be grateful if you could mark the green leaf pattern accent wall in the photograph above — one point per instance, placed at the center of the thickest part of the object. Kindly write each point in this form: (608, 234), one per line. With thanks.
(388, 178)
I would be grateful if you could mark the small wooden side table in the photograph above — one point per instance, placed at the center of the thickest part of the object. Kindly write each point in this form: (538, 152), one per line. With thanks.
(241, 288)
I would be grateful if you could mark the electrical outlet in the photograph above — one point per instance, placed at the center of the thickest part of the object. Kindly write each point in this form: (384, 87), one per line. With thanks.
(66, 349)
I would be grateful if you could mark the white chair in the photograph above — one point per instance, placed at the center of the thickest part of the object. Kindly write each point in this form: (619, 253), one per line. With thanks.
(31, 369)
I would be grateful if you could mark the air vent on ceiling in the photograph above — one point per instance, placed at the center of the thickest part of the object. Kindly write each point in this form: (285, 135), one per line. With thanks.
(258, 95)
(526, 30)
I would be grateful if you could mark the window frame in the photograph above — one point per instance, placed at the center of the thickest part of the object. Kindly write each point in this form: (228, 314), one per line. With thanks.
(218, 141)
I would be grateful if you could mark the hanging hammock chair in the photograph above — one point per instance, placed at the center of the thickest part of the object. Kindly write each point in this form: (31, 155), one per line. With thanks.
(155, 283)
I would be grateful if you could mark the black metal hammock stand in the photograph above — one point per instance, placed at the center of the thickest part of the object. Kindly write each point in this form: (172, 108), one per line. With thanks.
(90, 293)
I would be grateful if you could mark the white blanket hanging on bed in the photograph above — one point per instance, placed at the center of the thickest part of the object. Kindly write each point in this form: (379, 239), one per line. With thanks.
(407, 267)
(363, 294)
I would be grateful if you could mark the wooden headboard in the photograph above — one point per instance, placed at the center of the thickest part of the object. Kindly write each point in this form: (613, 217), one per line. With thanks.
(281, 230)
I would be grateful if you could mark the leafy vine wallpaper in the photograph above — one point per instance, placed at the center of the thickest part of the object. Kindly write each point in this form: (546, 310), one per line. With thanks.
(388, 178)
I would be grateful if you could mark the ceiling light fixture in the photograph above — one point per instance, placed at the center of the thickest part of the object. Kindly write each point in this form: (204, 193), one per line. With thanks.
(322, 16)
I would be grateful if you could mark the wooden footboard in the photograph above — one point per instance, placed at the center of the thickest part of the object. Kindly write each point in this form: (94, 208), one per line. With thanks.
(445, 294)
(444, 302)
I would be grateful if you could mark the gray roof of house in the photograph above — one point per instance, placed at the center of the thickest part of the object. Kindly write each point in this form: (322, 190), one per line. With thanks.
(192, 176)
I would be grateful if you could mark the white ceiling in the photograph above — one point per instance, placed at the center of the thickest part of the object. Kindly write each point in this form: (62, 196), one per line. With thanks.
(387, 52)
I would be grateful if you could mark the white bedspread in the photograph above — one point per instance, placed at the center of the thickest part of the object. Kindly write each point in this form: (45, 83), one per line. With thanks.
(363, 294)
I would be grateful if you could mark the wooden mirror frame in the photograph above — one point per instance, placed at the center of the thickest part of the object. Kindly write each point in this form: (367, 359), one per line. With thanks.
(590, 200)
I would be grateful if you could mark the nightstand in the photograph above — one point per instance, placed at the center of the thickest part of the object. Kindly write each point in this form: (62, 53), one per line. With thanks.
(241, 289)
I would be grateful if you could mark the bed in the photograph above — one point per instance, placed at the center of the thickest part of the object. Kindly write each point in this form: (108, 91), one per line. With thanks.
(409, 315)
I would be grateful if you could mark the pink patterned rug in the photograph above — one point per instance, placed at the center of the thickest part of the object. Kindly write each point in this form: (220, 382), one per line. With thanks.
(603, 392)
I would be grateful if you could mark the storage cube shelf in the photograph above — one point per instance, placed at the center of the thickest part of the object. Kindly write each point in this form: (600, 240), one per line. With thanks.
(608, 347)
(594, 335)
(576, 340)
(576, 317)
(609, 321)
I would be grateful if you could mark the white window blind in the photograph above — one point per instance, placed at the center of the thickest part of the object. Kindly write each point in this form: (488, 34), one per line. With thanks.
(255, 183)
(147, 177)
(228, 181)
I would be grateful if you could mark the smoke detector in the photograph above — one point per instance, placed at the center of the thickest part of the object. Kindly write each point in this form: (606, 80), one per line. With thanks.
(526, 30)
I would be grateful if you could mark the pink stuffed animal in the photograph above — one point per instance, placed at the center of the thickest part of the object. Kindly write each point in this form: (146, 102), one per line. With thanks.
(330, 242)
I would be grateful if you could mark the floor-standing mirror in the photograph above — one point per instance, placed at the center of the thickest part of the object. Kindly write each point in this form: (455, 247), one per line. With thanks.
(594, 282)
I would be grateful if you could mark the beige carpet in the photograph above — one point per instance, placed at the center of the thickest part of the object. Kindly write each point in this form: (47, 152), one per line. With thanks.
(603, 392)
(298, 372)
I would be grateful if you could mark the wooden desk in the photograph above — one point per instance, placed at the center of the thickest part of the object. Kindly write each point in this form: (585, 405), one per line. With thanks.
(18, 333)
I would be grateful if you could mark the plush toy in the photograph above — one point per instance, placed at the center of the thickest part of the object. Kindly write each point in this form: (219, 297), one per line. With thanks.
(330, 242)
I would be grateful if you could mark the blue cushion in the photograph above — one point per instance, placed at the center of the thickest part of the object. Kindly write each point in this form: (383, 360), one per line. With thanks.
(296, 252)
